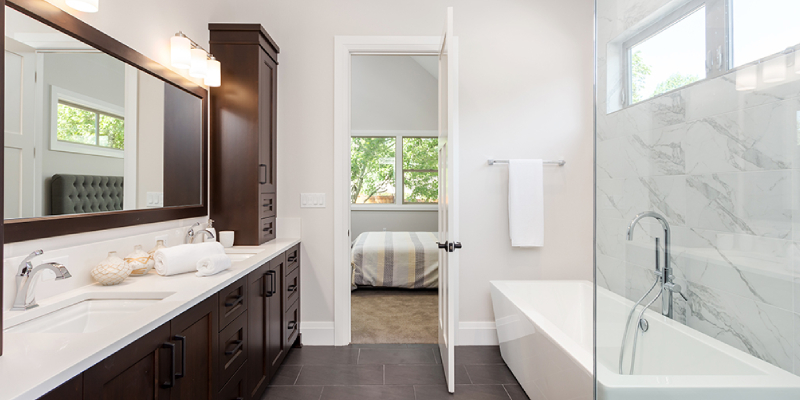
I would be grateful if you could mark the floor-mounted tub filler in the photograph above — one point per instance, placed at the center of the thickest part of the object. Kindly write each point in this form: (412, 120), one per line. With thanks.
(545, 332)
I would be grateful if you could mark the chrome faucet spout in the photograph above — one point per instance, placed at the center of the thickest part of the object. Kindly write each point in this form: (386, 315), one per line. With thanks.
(26, 283)
(666, 276)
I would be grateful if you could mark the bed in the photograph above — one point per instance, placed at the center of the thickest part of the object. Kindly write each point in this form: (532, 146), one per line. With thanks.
(77, 194)
(395, 259)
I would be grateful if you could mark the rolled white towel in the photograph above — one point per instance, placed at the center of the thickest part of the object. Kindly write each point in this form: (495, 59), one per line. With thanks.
(213, 265)
(182, 259)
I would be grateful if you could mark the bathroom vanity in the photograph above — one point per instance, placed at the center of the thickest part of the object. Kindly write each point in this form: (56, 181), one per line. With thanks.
(219, 337)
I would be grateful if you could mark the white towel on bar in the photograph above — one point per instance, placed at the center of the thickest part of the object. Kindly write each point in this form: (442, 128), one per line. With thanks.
(182, 259)
(213, 265)
(526, 203)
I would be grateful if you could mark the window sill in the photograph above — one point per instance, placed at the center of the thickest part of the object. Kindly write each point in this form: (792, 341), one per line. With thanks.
(394, 207)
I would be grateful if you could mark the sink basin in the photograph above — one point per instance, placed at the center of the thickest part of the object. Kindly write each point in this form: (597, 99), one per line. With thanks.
(240, 256)
(84, 316)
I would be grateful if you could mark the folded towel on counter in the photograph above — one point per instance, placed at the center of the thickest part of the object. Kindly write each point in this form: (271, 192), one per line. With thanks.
(526, 203)
(213, 265)
(184, 258)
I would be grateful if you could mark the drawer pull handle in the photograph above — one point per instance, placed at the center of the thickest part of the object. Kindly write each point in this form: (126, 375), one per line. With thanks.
(265, 173)
(291, 288)
(271, 291)
(267, 229)
(292, 324)
(171, 382)
(239, 300)
(291, 259)
(183, 355)
(238, 344)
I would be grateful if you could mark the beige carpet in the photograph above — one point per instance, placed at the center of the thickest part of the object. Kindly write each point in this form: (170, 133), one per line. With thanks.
(394, 316)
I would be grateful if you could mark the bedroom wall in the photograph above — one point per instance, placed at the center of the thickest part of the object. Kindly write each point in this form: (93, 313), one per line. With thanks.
(393, 221)
(525, 91)
(393, 93)
(80, 73)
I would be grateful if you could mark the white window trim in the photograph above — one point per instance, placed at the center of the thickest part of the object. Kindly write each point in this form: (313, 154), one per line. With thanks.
(56, 94)
(398, 204)
(717, 39)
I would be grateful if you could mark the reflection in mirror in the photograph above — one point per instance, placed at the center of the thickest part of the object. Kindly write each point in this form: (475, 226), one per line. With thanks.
(85, 132)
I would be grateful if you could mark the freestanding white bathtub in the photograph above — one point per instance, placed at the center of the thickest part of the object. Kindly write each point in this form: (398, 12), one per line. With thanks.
(545, 332)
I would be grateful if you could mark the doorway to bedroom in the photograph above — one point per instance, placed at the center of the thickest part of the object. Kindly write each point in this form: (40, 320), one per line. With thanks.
(394, 194)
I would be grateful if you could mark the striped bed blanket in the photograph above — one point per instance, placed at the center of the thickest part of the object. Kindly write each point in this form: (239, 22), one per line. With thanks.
(395, 259)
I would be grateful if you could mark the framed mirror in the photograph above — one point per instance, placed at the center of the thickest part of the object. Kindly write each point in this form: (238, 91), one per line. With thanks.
(96, 135)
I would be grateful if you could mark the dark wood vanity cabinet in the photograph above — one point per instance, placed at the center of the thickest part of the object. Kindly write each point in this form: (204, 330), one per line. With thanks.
(244, 132)
(227, 347)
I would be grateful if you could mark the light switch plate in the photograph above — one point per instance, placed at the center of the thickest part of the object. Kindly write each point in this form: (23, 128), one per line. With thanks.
(155, 199)
(312, 200)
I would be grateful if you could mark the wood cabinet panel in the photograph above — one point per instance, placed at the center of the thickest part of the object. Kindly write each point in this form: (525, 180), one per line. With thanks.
(194, 333)
(259, 288)
(233, 344)
(275, 316)
(232, 302)
(244, 131)
(143, 370)
(69, 390)
(236, 388)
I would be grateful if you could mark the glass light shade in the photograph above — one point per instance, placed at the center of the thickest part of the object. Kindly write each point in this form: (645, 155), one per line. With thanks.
(774, 70)
(89, 6)
(746, 79)
(181, 57)
(213, 78)
(198, 67)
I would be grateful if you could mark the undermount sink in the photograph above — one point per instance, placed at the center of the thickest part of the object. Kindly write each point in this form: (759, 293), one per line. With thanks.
(240, 256)
(83, 316)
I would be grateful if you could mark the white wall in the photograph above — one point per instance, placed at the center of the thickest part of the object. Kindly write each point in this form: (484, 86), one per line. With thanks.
(393, 221)
(150, 138)
(526, 91)
(392, 93)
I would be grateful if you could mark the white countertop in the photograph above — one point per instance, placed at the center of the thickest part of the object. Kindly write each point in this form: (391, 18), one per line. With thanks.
(34, 364)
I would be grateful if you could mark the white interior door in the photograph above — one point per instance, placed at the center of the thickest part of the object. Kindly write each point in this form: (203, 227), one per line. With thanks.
(448, 198)
(18, 131)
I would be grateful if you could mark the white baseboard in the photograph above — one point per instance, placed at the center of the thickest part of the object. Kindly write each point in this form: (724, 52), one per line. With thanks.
(317, 333)
(476, 333)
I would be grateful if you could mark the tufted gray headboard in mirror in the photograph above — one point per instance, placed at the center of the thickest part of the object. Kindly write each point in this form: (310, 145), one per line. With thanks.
(77, 194)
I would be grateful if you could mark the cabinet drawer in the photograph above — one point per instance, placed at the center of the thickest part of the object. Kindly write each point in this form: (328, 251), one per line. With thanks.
(236, 388)
(232, 302)
(267, 227)
(266, 205)
(232, 349)
(292, 258)
(292, 324)
(291, 290)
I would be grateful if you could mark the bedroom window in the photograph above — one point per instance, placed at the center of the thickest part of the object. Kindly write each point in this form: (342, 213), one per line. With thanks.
(82, 125)
(372, 162)
(420, 170)
(381, 179)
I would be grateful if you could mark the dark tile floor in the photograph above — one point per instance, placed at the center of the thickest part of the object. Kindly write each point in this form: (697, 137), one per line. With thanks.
(391, 372)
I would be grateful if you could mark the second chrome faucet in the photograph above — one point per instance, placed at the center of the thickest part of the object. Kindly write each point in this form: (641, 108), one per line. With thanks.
(26, 283)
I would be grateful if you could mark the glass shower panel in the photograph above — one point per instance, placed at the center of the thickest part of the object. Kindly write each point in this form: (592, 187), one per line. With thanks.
(715, 165)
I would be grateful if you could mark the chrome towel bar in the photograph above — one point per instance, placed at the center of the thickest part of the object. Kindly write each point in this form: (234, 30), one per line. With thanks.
(560, 163)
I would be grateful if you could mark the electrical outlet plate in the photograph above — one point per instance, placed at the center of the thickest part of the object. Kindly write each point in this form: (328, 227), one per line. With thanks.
(155, 199)
(164, 238)
(312, 200)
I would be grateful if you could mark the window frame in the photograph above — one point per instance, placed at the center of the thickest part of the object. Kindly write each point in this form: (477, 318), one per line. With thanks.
(717, 42)
(60, 95)
(399, 199)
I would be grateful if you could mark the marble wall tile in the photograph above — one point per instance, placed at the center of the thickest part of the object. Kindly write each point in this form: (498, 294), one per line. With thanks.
(611, 237)
(756, 328)
(754, 203)
(611, 273)
(719, 96)
(796, 344)
(758, 138)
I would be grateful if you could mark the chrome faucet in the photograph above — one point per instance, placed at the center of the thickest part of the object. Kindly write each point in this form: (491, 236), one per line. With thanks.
(25, 276)
(190, 234)
(666, 277)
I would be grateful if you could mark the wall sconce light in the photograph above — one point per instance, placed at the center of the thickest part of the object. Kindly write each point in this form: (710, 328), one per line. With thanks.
(89, 6)
(187, 54)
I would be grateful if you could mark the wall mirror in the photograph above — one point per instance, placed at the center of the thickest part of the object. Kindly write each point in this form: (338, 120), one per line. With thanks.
(96, 135)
